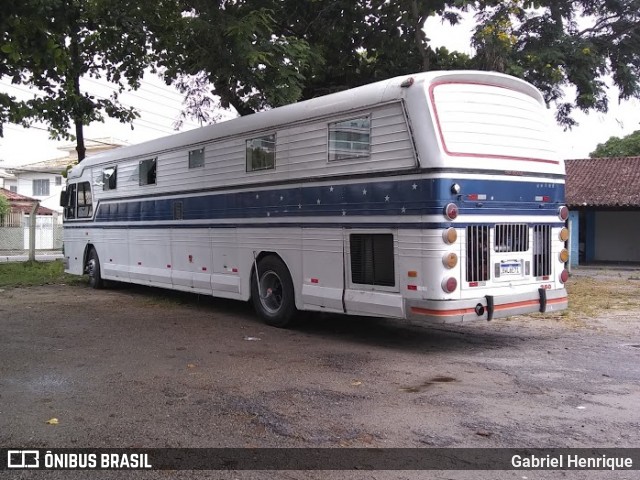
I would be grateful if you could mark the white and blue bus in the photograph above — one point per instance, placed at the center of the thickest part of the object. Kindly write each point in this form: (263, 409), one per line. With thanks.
(437, 196)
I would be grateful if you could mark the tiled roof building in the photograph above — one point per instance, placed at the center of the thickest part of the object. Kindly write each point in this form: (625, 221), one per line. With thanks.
(603, 182)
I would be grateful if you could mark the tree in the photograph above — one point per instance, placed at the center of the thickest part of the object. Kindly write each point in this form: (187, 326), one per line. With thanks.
(4, 208)
(628, 146)
(53, 46)
(265, 53)
(563, 45)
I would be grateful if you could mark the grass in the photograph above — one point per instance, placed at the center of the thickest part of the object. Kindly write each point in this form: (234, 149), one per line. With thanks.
(23, 274)
(590, 296)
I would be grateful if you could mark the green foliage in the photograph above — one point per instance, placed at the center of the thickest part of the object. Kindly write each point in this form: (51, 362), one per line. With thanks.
(562, 43)
(52, 46)
(628, 146)
(23, 274)
(4, 206)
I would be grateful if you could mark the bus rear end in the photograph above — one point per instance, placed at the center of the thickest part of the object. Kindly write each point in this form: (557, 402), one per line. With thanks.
(499, 222)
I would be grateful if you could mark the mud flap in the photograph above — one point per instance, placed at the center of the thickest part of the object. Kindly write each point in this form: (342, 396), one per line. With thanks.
(543, 299)
(490, 307)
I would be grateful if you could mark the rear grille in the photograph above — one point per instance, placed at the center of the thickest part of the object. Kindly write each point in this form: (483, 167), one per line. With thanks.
(477, 253)
(511, 238)
(541, 250)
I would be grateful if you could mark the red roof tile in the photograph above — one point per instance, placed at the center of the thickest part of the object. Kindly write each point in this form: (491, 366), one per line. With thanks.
(22, 203)
(603, 182)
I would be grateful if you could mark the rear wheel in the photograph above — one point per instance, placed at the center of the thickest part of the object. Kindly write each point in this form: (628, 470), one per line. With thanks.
(274, 299)
(93, 269)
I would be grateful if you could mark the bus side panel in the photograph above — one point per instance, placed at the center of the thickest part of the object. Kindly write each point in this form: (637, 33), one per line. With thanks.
(322, 269)
(150, 253)
(75, 241)
(191, 259)
(226, 270)
(113, 251)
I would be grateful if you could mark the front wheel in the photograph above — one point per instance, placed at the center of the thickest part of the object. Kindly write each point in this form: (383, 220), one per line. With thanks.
(93, 269)
(272, 292)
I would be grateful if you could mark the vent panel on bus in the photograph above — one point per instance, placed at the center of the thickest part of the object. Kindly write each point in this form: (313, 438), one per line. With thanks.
(541, 250)
(372, 259)
(477, 253)
(511, 238)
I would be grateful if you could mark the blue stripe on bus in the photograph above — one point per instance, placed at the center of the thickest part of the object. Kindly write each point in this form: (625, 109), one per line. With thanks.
(407, 197)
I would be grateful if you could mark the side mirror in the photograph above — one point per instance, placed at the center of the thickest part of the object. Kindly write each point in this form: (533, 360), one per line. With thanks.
(64, 198)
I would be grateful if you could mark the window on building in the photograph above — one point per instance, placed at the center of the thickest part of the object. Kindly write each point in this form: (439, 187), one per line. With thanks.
(109, 178)
(350, 139)
(85, 202)
(196, 158)
(372, 259)
(41, 188)
(147, 171)
(13, 188)
(58, 181)
(261, 153)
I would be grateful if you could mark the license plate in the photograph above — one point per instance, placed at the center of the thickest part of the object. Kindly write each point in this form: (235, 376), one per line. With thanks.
(510, 268)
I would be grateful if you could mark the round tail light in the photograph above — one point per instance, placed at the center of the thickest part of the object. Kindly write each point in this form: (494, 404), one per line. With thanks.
(450, 260)
(450, 235)
(449, 284)
(564, 255)
(451, 211)
(564, 276)
(564, 234)
(563, 213)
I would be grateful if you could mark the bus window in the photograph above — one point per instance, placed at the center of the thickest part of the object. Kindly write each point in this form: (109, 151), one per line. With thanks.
(70, 207)
(85, 204)
(109, 177)
(147, 170)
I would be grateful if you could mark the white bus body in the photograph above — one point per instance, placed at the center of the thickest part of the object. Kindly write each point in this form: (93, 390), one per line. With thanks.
(436, 196)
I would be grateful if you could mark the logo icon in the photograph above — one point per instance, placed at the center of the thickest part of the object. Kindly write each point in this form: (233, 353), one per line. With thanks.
(23, 459)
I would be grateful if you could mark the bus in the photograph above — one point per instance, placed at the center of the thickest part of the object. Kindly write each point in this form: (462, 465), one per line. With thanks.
(436, 196)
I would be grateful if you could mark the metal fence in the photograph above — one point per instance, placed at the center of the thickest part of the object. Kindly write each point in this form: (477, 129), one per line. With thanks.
(16, 231)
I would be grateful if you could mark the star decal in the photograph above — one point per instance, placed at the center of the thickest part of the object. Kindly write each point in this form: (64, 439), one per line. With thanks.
(281, 198)
(386, 199)
(403, 210)
(318, 201)
(344, 212)
(331, 189)
(364, 191)
(414, 186)
(257, 196)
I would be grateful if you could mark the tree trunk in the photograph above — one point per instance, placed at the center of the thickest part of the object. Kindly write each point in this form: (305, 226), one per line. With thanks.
(418, 24)
(74, 76)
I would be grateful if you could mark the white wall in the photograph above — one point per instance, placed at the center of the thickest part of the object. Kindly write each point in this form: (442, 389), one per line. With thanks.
(617, 236)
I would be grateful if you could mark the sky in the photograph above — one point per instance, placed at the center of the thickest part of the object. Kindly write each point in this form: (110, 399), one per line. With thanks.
(160, 106)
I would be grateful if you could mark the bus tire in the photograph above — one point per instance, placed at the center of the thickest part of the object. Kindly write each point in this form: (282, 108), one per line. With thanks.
(277, 304)
(93, 269)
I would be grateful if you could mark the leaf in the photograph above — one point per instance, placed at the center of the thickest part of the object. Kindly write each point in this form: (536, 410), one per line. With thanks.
(52, 421)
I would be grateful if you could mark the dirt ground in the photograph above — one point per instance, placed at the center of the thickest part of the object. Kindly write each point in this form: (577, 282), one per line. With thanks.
(142, 367)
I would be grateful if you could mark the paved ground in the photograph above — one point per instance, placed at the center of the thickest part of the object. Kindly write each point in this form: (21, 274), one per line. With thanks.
(141, 367)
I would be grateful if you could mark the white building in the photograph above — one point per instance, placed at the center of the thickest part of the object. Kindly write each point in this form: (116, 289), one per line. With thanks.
(44, 180)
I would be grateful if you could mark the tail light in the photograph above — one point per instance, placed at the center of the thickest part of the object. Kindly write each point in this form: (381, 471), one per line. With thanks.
(564, 234)
(451, 211)
(564, 276)
(450, 235)
(564, 255)
(563, 213)
(450, 260)
(449, 284)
